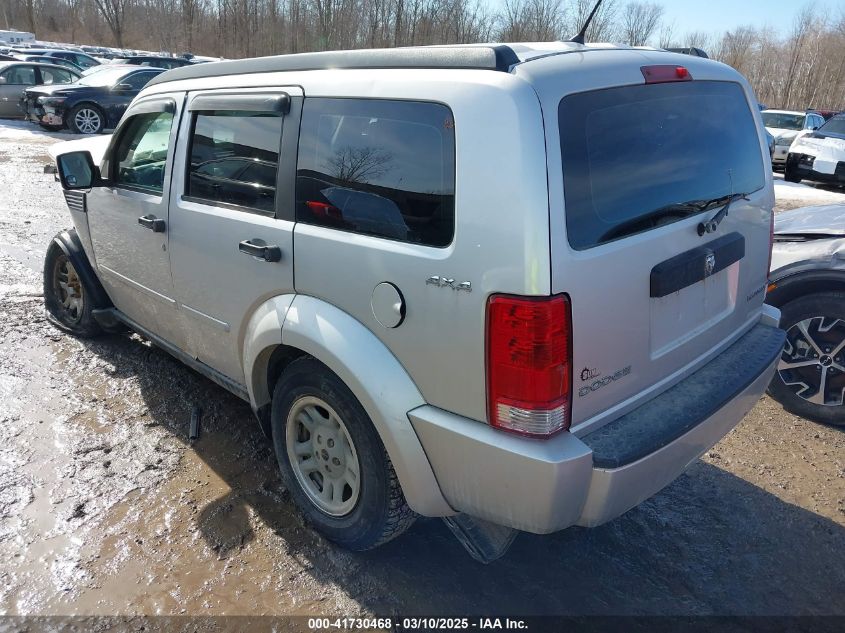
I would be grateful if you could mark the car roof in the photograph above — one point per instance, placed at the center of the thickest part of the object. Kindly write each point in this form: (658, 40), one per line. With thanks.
(6, 64)
(773, 111)
(493, 57)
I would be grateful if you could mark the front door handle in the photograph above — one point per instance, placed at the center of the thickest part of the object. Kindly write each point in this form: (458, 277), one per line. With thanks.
(156, 225)
(257, 248)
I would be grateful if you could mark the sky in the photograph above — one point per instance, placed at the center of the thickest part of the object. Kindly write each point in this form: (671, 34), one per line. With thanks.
(721, 15)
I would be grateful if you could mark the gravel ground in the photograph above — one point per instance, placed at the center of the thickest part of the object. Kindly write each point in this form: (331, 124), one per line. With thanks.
(106, 506)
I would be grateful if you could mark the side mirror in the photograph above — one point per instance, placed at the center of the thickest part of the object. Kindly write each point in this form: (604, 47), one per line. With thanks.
(813, 127)
(124, 86)
(2, 81)
(77, 170)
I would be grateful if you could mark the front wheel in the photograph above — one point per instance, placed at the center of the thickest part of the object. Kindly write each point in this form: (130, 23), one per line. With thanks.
(810, 378)
(86, 119)
(67, 300)
(790, 173)
(333, 461)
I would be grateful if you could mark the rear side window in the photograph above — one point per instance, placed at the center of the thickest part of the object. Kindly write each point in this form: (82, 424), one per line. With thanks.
(234, 159)
(639, 157)
(378, 167)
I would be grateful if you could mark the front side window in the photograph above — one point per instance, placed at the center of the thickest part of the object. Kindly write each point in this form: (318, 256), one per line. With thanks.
(639, 157)
(141, 153)
(55, 76)
(378, 167)
(234, 159)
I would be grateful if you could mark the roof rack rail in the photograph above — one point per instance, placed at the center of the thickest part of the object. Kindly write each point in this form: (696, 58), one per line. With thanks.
(497, 57)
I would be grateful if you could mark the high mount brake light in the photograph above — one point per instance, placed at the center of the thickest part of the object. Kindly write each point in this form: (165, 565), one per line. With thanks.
(529, 364)
(663, 74)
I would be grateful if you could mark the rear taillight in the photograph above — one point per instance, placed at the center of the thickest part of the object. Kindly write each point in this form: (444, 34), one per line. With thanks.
(529, 362)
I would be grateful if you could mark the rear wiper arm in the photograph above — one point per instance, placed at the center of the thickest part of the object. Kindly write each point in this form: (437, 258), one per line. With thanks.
(710, 226)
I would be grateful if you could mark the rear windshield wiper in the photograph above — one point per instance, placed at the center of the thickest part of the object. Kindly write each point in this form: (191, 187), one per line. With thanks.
(652, 219)
(710, 226)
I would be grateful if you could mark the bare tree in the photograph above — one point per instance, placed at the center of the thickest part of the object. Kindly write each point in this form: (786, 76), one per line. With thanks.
(604, 26)
(114, 13)
(640, 21)
(360, 165)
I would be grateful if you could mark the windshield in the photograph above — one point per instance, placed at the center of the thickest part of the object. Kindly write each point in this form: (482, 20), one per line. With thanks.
(107, 77)
(638, 157)
(834, 126)
(783, 121)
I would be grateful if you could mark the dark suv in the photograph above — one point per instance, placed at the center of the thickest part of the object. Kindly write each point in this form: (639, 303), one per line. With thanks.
(94, 103)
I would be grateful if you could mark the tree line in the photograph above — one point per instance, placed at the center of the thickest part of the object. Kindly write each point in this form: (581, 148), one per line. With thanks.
(803, 68)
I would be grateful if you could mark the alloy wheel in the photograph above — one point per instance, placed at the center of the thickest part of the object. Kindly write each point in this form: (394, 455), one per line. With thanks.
(87, 121)
(323, 456)
(813, 361)
(67, 290)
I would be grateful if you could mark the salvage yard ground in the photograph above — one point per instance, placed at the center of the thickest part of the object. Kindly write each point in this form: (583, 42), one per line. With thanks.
(106, 506)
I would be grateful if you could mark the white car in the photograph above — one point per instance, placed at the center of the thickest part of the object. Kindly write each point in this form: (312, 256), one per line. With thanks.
(819, 155)
(786, 126)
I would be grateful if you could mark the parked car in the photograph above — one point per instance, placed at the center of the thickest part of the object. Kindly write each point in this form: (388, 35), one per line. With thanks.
(808, 285)
(77, 57)
(57, 61)
(92, 104)
(819, 156)
(16, 77)
(785, 126)
(514, 305)
(155, 62)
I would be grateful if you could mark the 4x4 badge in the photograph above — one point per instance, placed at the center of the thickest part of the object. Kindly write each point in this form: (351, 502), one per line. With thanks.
(445, 282)
(709, 264)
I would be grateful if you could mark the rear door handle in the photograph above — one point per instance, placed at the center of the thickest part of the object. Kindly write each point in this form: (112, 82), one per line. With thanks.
(156, 225)
(257, 248)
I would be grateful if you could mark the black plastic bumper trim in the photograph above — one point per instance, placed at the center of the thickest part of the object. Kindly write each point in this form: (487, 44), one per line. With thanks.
(681, 408)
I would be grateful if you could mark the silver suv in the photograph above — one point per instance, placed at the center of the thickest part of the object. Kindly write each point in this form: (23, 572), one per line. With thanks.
(517, 286)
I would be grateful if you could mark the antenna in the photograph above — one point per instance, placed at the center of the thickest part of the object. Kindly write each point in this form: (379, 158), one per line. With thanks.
(579, 39)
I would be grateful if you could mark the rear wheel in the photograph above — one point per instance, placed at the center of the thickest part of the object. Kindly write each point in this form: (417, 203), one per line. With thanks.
(86, 118)
(67, 300)
(332, 459)
(810, 378)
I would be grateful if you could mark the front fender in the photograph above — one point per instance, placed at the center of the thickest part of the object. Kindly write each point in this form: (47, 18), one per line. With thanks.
(365, 365)
(71, 244)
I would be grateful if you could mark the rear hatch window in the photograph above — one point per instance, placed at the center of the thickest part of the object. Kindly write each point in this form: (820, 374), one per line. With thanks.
(638, 157)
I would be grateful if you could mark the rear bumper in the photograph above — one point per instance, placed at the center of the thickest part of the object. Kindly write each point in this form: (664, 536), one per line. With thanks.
(546, 485)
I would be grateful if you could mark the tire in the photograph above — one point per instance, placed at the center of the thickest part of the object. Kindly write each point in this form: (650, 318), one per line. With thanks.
(68, 301)
(815, 325)
(308, 401)
(86, 118)
(789, 172)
